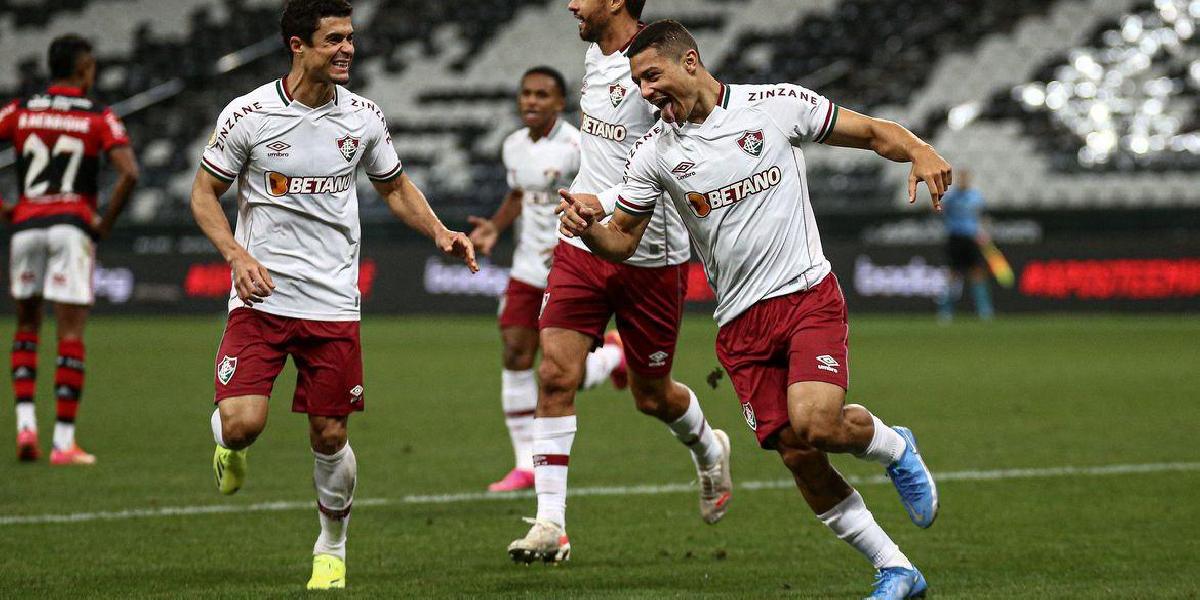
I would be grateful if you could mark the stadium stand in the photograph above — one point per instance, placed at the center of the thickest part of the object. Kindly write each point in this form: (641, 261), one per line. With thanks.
(1070, 86)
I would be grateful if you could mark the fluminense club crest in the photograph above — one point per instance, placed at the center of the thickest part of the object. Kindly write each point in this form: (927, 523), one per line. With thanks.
(616, 93)
(226, 369)
(748, 412)
(349, 146)
(752, 143)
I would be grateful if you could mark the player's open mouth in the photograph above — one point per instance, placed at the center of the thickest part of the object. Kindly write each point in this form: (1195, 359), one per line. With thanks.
(341, 63)
(666, 108)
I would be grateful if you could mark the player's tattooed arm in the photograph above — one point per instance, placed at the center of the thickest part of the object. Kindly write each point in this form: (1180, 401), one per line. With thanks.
(894, 142)
(487, 231)
(614, 241)
(409, 205)
(251, 280)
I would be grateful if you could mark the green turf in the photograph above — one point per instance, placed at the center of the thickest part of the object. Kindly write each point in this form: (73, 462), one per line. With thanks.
(1019, 393)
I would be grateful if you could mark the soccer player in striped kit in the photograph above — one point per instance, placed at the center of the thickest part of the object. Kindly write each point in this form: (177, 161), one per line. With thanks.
(728, 158)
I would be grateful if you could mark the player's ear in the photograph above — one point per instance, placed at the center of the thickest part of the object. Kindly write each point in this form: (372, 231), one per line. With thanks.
(296, 44)
(691, 61)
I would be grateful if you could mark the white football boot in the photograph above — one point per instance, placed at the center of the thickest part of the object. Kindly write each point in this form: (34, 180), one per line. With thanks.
(716, 484)
(545, 541)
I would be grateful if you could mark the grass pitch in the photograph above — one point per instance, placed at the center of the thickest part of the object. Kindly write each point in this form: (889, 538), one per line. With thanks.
(1022, 393)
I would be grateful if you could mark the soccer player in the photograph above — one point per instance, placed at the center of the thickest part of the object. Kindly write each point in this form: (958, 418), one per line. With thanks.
(539, 158)
(294, 146)
(59, 136)
(727, 157)
(645, 292)
(962, 209)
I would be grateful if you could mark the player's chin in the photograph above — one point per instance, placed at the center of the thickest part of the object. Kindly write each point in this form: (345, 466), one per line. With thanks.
(340, 76)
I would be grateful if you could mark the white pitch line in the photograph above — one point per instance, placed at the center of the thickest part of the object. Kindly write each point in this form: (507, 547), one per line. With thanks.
(634, 490)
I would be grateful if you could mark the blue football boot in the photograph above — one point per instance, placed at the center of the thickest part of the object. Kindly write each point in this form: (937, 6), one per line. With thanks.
(914, 482)
(897, 583)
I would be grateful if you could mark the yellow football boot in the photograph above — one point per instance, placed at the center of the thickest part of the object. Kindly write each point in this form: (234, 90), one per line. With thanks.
(329, 573)
(229, 467)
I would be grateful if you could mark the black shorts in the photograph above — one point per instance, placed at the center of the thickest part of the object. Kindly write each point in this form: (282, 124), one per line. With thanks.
(963, 253)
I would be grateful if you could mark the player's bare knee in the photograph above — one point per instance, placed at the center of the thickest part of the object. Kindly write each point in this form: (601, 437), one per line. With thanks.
(816, 433)
(651, 397)
(327, 435)
(239, 433)
(556, 378)
(516, 358)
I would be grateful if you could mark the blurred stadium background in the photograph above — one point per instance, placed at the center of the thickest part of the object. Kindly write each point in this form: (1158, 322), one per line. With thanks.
(1079, 118)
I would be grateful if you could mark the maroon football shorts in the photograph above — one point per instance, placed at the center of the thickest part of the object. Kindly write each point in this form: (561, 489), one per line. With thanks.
(520, 305)
(327, 355)
(585, 290)
(801, 336)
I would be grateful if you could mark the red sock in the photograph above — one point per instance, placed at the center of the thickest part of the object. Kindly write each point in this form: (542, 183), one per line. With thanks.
(68, 379)
(24, 365)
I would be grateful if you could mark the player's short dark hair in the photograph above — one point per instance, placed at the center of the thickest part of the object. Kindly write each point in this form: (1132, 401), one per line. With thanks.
(550, 72)
(64, 54)
(635, 7)
(669, 37)
(301, 18)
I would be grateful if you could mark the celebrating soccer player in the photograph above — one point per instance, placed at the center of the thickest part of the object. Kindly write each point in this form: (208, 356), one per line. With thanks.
(645, 292)
(294, 146)
(539, 159)
(59, 135)
(728, 158)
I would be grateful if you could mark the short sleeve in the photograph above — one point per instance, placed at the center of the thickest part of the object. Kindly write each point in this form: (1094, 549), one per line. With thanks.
(228, 148)
(381, 162)
(510, 169)
(8, 120)
(112, 131)
(803, 114)
(641, 189)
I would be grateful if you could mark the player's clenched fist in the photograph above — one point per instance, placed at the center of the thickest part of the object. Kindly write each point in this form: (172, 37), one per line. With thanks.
(577, 212)
(456, 243)
(930, 167)
(251, 280)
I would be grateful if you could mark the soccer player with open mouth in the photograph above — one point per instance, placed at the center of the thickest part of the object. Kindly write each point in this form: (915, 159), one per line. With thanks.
(294, 146)
(728, 158)
(645, 293)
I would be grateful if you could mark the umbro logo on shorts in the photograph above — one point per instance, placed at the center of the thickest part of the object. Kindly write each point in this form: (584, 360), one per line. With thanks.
(826, 362)
(658, 359)
(356, 394)
(226, 369)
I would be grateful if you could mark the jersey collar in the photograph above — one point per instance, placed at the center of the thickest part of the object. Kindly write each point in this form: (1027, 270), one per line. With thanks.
(286, 96)
(65, 90)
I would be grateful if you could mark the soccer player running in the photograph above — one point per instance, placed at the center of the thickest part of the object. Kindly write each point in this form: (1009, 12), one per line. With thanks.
(294, 145)
(727, 157)
(645, 292)
(59, 136)
(539, 159)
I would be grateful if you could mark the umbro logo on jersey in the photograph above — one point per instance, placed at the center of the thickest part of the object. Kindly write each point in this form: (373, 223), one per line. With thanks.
(684, 170)
(349, 146)
(616, 94)
(279, 184)
(704, 203)
(277, 148)
(826, 362)
(752, 143)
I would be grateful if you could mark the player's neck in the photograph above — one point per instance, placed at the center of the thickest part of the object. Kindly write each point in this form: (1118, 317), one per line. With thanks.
(68, 83)
(709, 95)
(618, 35)
(307, 91)
(538, 133)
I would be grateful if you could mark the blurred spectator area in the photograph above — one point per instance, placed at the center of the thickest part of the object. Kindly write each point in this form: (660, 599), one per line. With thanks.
(1053, 103)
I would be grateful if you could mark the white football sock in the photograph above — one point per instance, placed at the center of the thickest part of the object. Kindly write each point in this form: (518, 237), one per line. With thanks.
(853, 523)
(518, 395)
(693, 430)
(886, 445)
(217, 431)
(64, 435)
(334, 476)
(552, 438)
(26, 416)
(600, 363)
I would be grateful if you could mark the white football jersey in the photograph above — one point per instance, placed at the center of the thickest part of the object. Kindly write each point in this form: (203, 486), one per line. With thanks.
(297, 204)
(739, 181)
(538, 169)
(614, 117)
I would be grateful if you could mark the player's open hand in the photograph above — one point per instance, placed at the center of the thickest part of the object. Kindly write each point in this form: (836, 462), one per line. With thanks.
(930, 167)
(484, 236)
(251, 280)
(577, 212)
(456, 243)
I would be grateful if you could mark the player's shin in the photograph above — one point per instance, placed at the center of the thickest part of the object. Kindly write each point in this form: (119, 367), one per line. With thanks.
(693, 431)
(24, 377)
(518, 394)
(68, 389)
(853, 523)
(334, 476)
(552, 439)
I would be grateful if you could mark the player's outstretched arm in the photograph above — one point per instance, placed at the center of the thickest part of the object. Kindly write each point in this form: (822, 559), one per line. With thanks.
(487, 231)
(409, 205)
(894, 142)
(250, 278)
(126, 166)
(614, 241)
